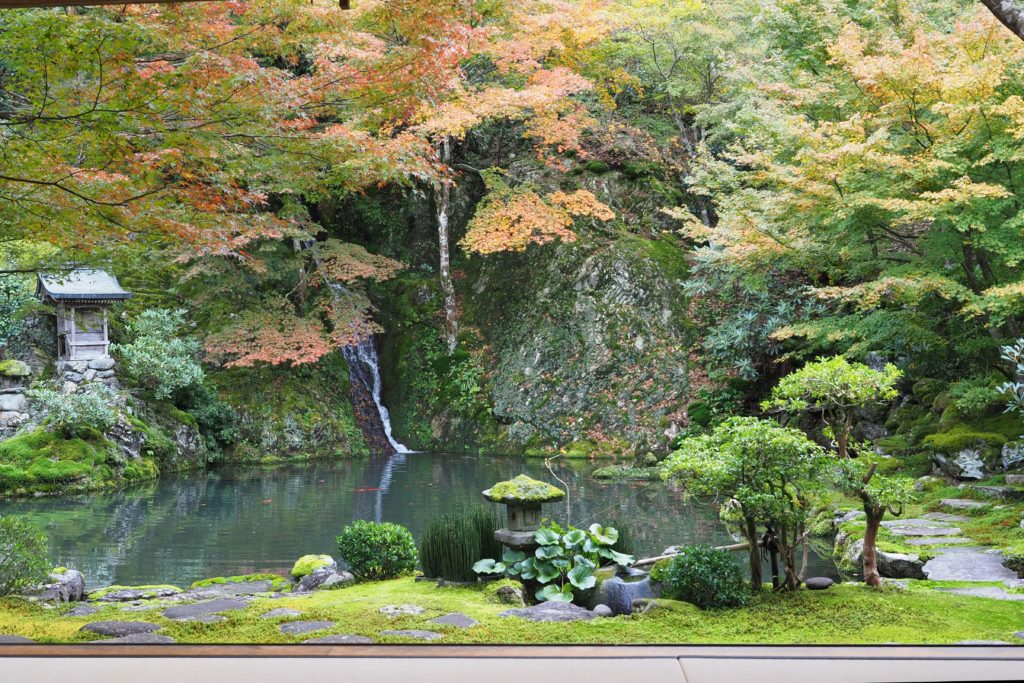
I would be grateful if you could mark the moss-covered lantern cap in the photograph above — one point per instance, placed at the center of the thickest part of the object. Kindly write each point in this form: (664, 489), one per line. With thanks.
(522, 489)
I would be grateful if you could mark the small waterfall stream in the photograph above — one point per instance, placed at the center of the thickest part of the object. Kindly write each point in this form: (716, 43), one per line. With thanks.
(364, 366)
(443, 200)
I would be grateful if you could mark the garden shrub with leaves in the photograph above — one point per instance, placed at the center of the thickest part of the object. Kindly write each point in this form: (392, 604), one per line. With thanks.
(704, 576)
(92, 408)
(376, 551)
(156, 358)
(23, 560)
(564, 563)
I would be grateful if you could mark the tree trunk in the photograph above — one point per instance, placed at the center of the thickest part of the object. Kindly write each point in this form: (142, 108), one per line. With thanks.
(754, 554)
(443, 200)
(874, 520)
(1010, 13)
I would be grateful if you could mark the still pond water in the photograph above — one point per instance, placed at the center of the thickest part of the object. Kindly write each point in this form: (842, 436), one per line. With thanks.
(230, 521)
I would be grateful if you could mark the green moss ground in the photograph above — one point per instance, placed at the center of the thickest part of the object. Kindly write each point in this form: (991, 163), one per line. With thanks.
(846, 613)
(42, 461)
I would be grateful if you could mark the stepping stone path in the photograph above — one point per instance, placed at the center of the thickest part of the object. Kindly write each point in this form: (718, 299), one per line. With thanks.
(200, 611)
(954, 558)
(414, 633)
(967, 564)
(137, 639)
(338, 639)
(140, 608)
(120, 628)
(82, 611)
(455, 619)
(280, 612)
(551, 612)
(985, 592)
(295, 628)
(231, 589)
(14, 640)
(963, 504)
(132, 594)
(401, 610)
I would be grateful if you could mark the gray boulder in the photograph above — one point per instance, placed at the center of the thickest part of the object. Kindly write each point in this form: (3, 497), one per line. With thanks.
(68, 586)
(603, 611)
(890, 565)
(969, 464)
(294, 628)
(325, 578)
(15, 403)
(1012, 454)
(818, 583)
(618, 594)
(455, 619)
(101, 364)
(201, 610)
(510, 595)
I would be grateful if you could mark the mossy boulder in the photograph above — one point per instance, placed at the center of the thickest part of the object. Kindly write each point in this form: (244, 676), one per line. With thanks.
(307, 564)
(523, 489)
(14, 368)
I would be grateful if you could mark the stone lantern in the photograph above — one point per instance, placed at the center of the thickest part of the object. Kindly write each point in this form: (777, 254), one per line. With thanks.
(522, 498)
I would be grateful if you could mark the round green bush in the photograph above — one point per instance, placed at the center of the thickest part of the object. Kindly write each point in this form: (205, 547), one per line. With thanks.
(705, 577)
(377, 550)
(23, 559)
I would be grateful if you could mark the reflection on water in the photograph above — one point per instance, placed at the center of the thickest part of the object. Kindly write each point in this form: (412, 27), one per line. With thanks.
(237, 521)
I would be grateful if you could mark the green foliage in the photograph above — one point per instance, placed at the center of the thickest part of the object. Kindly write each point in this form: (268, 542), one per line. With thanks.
(92, 408)
(452, 543)
(14, 368)
(307, 563)
(23, 556)
(770, 472)
(156, 358)
(14, 299)
(377, 550)
(563, 563)
(217, 419)
(1014, 390)
(972, 396)
(705, 577)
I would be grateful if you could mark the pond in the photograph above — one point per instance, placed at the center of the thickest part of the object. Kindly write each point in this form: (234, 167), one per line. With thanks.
(231, 521)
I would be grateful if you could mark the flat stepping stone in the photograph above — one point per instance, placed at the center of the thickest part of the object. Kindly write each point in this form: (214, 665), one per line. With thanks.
(455, 619)
(985, 592)
(339, 639)
(231, 589)
(551, 612)
(11, 639)
(924, 531)
(913, 521)
(945, 517)
(1019, 635)
(280, 612)
(120, 628)
(295, 628)
(414, 633)
(203, 619)
(137, 639)
(140, 608)
(939, 540)
(963, 504)
(401, 610)
(967, 564)
(982, 642)
(1005, 492)
(132, 594)
(82, 611)
(202, 609)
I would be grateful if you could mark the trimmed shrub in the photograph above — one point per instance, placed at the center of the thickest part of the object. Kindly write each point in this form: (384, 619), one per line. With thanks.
(377, 550)
(705, 577)
(92, 408)
(23, 561)
(452, 543)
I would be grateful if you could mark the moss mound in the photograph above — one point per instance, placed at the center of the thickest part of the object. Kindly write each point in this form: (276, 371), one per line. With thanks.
(14, 368)
(307, 564)
(523, 489)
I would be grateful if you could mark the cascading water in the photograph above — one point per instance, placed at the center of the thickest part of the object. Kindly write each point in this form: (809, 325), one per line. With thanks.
(364, 366)
(443, 200)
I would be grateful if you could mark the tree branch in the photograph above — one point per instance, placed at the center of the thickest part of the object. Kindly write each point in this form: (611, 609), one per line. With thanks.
(1010, 13)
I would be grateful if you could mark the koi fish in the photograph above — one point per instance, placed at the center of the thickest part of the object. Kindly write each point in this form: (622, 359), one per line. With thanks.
(367, 489)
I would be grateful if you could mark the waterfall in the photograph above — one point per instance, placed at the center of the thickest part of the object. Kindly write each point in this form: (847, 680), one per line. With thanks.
(365, 366)
(443, 200)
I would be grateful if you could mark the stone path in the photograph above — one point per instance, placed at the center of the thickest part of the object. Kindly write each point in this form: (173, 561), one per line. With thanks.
(280, 612)
(401, 610)
(136, 639)
(955, 558)
(14, 640)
